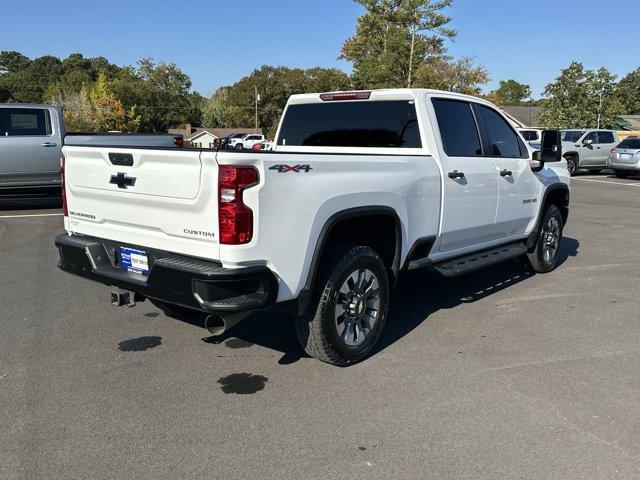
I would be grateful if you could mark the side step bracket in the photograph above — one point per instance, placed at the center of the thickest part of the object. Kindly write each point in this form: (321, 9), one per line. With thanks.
(473, 261)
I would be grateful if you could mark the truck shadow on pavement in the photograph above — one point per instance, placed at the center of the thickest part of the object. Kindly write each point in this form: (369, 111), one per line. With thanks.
(418, 294)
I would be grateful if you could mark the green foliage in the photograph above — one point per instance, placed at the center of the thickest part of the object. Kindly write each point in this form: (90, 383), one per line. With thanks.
(443, 73)
(579, 97)
(628, 92)
(394, 38)
(97, 94)
(511, 92)
(234, 106)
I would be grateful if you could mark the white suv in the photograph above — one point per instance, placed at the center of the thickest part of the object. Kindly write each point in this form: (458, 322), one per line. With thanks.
(245, 142)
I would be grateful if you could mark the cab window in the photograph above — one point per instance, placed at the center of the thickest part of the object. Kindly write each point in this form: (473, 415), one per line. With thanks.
(25, 122)
(501, 139)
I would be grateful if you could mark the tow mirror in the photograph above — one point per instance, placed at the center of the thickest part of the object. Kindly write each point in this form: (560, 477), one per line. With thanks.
(551, 146)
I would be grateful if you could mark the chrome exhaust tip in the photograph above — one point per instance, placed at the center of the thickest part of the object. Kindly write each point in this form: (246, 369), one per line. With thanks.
(217, 324)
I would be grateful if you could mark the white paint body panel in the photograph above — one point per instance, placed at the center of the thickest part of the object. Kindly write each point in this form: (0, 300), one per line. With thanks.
(176, 192)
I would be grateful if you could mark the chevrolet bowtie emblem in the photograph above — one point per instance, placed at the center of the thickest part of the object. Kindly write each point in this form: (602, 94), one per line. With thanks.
(122, 181)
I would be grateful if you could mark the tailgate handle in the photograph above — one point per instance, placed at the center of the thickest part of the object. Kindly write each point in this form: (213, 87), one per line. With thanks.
(121, 159)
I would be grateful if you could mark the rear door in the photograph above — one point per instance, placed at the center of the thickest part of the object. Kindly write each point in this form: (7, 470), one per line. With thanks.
(470, 179)
(160, 198)
(606, 141)
(518, 186)
(29, 147)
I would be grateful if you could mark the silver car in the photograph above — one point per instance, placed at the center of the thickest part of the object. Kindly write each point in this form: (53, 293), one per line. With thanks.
(587, 149)
(30, 146)
(624, 158)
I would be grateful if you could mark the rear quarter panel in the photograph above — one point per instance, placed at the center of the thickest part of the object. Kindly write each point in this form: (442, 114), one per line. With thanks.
(292, 205)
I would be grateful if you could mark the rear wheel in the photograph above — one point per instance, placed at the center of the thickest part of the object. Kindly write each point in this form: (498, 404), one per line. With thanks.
(546, 252)
(572, 165)
(620, 174)
(239, 146)
(349, 308)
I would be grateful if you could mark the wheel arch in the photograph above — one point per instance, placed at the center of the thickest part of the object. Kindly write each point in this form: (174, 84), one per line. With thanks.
(339, 223)
(557, 194)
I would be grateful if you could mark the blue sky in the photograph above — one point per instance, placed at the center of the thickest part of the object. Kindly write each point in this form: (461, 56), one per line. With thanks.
(217, 42)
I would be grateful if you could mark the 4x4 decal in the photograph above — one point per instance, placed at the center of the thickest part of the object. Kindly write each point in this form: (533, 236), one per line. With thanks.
(291, 168)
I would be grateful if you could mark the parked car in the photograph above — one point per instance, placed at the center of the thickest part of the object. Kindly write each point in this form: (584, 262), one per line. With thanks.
(31, 138)
(358, 189)
(246, 141)
(224, 141)
(624, 158)
(265, 146)
(533, 136)
(587, 149)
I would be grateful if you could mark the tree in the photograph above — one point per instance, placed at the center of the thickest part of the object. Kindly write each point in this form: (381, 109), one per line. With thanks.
(275, 85)
(443, 73)
(216, 109)
(580, 98)
(393, 38)
(511, 92)
(628, 93)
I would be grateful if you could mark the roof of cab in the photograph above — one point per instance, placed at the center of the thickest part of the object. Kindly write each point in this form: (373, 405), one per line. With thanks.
(384, 94)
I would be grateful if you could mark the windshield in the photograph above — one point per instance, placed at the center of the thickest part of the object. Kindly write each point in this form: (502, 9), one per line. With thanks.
(572, 135)
(631, 143)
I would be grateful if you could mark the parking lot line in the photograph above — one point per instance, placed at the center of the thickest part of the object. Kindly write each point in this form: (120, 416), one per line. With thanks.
(33, 215)
(604, 181)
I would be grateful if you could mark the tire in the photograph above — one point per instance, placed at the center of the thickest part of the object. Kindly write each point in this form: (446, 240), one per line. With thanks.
(546, 252)
(572, 165)
(335, 327)
(620, 174)
(239, 146)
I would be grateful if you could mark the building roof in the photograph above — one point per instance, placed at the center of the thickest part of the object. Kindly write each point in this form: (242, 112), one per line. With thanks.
(628, 122)
(190, 133)
(524, 116)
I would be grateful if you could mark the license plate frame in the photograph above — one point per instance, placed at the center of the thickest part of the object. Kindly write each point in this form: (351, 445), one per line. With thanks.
(626, 156)
(134, 260)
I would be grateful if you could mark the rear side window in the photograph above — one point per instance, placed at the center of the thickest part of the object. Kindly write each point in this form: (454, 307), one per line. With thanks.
(382, 124)
(605, 137)
(631, 143)
(25, 121)
(501, 139)
(458, 128)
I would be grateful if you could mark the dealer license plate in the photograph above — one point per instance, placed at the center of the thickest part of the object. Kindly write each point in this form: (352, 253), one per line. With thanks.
(133, 260)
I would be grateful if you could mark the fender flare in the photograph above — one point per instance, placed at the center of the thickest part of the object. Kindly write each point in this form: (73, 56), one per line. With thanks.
(304, 297)
(554, 187)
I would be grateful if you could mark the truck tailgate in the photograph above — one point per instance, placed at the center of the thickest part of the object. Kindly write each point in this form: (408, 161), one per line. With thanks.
(159, 198)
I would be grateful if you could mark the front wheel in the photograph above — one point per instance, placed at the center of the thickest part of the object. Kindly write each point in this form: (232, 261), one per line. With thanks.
(348, 309)
(546, 252)
(239, 146)
(572, 165)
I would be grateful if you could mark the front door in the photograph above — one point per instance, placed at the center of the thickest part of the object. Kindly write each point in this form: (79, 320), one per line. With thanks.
(470, 179)
(519, 188)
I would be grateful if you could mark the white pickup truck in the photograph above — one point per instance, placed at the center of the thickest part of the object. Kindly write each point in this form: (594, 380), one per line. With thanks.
(359, 187)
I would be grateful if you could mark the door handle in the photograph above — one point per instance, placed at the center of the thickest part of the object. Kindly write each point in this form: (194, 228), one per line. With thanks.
(456, 174)
(506, 173)
(49, 144)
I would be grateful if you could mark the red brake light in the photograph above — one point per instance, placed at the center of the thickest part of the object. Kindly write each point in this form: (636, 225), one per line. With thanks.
(179, 141)
(235, 219)
(65, 210)
(332, 97)
(613, 150)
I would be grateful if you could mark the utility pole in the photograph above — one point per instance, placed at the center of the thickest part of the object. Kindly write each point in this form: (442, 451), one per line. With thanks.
(257, 98)
(599, 110)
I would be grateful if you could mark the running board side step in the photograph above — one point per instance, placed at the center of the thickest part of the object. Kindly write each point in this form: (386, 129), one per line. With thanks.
(473, 261)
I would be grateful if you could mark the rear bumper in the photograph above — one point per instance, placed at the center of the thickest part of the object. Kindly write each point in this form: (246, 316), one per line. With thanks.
(176, 279)
(624, 166)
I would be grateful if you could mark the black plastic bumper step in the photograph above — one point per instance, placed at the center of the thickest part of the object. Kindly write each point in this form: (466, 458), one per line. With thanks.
(473, 261)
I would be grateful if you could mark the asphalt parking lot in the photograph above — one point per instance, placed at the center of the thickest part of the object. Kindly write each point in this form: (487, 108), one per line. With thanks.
(498, 374)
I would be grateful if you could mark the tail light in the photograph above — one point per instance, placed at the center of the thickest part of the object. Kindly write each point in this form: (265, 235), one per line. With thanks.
(235, 219)
(179, 141)
(65, 210)
(336, 96)
(613, 150)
